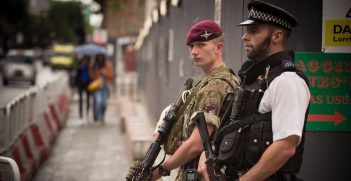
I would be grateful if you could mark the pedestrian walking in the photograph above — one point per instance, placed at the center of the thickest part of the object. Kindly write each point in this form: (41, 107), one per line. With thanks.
(101, 69)
(82, 81)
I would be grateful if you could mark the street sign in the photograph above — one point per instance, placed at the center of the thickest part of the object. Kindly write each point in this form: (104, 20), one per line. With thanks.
(330, 85)
(100, 37)
(336, 31)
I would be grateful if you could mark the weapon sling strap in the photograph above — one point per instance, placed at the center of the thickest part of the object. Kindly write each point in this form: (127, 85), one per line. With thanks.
(244, 122)
(200, 84)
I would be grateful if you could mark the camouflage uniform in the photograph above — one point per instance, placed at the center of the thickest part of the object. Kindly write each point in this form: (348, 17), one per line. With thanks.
(208, 100)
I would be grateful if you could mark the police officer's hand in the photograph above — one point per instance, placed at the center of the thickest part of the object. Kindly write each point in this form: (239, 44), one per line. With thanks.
(201, 168)
(160, 121)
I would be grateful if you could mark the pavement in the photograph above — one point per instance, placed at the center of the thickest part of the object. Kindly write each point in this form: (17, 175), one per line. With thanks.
(101, 153)
(90, 152)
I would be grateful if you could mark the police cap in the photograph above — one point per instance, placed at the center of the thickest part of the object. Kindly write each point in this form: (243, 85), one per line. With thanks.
(203, 31)
(263, 12)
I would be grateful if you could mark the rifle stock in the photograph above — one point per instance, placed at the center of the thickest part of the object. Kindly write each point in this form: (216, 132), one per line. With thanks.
(141, 171)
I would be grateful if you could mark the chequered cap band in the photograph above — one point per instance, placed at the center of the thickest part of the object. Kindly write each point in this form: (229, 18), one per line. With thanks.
(266, 17)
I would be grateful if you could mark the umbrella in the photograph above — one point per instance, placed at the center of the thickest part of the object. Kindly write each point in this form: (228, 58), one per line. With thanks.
(90, 50)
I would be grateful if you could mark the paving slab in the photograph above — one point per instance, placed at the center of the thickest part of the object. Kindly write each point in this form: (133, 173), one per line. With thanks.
(87, 153)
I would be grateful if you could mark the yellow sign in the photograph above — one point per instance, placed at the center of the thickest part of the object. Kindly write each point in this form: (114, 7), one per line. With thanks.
(348, 15)
(338, 32)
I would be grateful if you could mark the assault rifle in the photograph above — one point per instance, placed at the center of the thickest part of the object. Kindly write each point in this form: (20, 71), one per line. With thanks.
(230, 111)
(141, 171)
(200, 123)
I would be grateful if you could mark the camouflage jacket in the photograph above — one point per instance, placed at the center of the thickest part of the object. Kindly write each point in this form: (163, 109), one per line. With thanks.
(207, 99)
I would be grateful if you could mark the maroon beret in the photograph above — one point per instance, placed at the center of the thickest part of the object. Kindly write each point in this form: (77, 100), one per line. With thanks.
(203, 31)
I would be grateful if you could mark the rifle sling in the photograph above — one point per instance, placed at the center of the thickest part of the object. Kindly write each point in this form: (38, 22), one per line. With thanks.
(236, 124)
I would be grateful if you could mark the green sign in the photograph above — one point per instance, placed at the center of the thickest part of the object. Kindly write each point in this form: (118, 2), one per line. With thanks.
(330, 85)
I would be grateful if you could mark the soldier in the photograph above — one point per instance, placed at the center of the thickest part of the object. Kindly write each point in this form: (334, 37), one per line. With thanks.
(275, 102)
(205, 40)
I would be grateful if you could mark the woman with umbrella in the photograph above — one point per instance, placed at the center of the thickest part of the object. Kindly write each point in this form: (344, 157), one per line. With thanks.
(102, 69)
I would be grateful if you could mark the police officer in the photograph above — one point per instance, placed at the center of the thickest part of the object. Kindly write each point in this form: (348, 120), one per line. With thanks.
(205, 40)
(286, 96)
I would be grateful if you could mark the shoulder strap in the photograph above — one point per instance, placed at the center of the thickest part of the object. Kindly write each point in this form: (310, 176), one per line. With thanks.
(188, 99)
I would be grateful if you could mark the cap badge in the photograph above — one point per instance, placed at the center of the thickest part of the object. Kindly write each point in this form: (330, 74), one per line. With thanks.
(206, 35)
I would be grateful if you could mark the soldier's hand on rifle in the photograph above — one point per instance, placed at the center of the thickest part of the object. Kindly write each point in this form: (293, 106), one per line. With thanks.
(155, 175)
(201, 168)
(160, 121)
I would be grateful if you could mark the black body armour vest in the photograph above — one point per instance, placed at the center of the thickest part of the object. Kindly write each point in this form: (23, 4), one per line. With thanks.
(257, 136)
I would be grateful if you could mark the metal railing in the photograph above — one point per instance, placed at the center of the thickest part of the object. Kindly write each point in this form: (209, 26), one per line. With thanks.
(26, 108)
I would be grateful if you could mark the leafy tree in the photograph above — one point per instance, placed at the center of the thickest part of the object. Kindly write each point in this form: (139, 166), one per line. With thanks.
(64, 22)
(115, 5)
(12, 16)
(67, 21)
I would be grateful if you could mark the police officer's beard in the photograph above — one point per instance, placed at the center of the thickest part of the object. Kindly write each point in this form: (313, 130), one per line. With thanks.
(262, 50)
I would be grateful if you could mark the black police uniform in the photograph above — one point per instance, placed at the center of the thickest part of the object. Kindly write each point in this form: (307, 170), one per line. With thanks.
(259, 136)
(256, 133)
